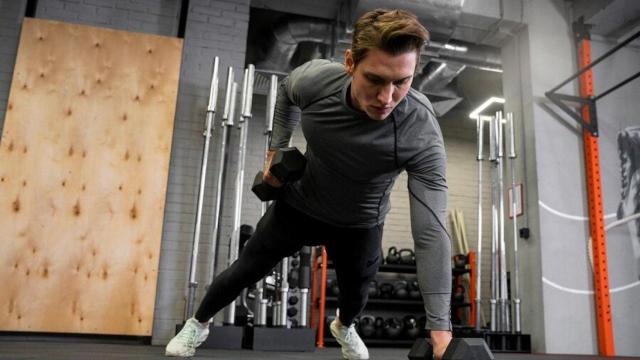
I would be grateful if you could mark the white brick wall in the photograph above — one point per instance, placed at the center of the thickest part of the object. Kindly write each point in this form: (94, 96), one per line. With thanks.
(206, 36)
(151, 16)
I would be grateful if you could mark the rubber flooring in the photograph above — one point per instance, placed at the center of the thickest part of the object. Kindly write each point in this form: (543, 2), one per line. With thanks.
(51, 350)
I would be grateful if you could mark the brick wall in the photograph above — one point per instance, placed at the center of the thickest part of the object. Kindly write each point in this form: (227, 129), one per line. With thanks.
(150, 16)
(11, 14)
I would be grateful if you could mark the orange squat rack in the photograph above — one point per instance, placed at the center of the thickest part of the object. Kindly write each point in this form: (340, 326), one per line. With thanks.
(587, 117)
(596, 212)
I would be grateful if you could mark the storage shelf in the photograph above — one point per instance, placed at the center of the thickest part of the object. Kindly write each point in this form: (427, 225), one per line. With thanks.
(405, 269)
(394, 302)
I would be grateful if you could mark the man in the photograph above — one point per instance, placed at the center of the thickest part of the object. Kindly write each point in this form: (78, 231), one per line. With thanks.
(363, 125)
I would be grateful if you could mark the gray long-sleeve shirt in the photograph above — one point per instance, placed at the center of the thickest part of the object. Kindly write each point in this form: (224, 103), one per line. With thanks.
(353, 161)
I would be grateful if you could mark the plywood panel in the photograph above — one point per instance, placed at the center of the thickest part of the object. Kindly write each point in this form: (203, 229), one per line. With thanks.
(84, 160)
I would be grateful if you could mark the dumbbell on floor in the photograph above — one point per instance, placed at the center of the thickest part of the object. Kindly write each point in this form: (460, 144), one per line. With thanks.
(458, 349)
(287, 165)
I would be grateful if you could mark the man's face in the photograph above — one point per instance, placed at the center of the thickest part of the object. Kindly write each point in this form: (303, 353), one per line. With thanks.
(380, 81)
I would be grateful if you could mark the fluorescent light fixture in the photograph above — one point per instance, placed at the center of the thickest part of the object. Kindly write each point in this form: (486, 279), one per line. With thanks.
(457, 48)
(474, 114)
(492, 69)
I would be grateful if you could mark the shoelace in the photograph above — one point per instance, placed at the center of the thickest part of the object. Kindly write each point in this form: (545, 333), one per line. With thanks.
(188, 336)
(350, 331)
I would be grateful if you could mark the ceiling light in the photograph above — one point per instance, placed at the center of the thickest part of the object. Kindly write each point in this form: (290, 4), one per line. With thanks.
(456, 48)
(474, 114)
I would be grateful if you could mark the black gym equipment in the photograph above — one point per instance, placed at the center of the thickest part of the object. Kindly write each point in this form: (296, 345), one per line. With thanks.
(366, 326)
(379, 327)
(373, 289)
(287, 165)
(457, 296)
(458, 349)
(414, 290)
(406, 257)
(392, 255)
(385, 290)
(400, 290)
(459, 261)
(280, 319)
(393, 328)
(411, 328)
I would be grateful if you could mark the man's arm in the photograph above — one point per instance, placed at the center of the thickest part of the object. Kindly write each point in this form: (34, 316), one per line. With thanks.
(428, 203)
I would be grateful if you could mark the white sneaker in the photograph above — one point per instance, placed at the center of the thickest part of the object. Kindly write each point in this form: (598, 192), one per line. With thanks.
(184, 344)
(352, 346)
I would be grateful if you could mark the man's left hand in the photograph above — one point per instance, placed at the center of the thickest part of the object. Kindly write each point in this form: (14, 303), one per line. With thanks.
(440, 340)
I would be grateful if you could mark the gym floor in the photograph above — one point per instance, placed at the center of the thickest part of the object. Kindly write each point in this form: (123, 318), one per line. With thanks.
(52, 350)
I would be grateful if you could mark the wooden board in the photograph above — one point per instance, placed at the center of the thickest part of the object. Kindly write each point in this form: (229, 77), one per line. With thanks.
(84, 160)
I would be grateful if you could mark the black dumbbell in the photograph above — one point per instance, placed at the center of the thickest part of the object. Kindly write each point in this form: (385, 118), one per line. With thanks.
(287, 165)
(459, 348)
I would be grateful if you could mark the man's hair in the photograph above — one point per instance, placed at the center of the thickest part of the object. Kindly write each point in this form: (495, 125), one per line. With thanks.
(393, 31)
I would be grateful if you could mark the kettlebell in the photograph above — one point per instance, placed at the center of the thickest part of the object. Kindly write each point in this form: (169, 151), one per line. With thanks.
(366, 326)
(392, 255)
(379, 325)
(393, 328)
(411, 327)
(407, 257)
(400, 289)
(373, 289)
(414, 290)
(386, 290)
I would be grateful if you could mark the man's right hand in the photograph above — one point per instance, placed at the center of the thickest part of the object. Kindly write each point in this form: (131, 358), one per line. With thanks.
(268, 178)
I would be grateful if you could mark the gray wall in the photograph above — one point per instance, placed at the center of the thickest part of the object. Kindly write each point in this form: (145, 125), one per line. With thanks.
(557, 278)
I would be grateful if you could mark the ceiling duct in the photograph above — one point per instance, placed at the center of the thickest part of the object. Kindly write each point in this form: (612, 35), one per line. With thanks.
(287, 37)
(434, 81)
(439, 16)
(436, 76)
(478, 56)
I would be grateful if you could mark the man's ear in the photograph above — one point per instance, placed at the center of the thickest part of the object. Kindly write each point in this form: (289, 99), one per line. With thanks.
(348, 62)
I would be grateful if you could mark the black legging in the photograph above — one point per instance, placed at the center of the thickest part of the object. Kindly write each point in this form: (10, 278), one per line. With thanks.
(283, 230)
